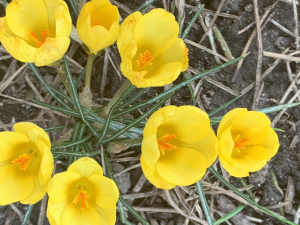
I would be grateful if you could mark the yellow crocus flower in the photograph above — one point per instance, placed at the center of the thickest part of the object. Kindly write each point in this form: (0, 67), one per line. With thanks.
(247, 141)
(151, 52)
(36, 31)
(26, 164)
(98, 25)
(178, 146)
(82, 195)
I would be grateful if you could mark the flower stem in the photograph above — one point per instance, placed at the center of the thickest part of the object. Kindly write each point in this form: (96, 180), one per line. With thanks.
(117, 96)
(89, 68)
(63, 78)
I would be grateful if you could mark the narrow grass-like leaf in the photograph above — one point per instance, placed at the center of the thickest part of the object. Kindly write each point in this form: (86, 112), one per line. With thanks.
(49, 129)
(204, 204)
(190, 89)
(223, 106)
(239, 193)
(126, 204)
(81, 76)
(277, 129)
(27, 214)
(145, 115)
(230, 215)
(5, 4)
(74, 91)
(191, 23)
(139, 94)
(112, 110)
(277, 108)
(77, 141)
(143, 5)
(80, 135)
(74, 7)
(74, 139)
(122, 214)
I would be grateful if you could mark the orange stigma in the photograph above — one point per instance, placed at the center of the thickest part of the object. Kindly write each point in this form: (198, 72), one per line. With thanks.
(24, 159)
(39, 41)
(96, 23)
(144, 60)
(83, 197)
(164, 144)
(241, 144)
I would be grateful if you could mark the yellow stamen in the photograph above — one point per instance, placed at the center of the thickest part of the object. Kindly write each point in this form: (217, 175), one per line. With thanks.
(144, 60)
(164, 144)
(83, 197)
(241, 144)
(24, 159)
(37, 39)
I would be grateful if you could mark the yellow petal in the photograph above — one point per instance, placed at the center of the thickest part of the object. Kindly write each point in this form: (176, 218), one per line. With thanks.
(60, 186)
(37, 193)
(106, 16)
(154, 178)
(156, 32)
(14, 184)
(106, 191)
(232, 170)
(100, 3)
(181, 165)
(33, 132)
(73, 215)
(12, 145)
(207, 146)
(52, 50)
(177, 53)
(271, 144)
(47, 164)
(249, 158)
(253, 125)
(226, 145)
(107, 216)
(86, 167)
(126, 44)
(227, 120)
(189, 124)
(108, 39)
(55, 210)
(150, 151)
(25, 16)
(63, 21)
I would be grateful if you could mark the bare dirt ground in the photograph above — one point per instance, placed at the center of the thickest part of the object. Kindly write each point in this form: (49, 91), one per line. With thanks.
(263, 79)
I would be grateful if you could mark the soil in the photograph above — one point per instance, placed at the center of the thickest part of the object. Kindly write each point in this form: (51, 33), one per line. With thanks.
(284, 165)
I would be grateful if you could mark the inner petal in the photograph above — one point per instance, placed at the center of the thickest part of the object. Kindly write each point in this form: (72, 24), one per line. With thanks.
(105, 16)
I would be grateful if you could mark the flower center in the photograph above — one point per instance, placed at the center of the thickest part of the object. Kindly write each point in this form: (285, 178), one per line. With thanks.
(39, 41)
(96, 23)
(144, 60)
(24, 159)
(83, 197)
(241, 144)
(163, 143)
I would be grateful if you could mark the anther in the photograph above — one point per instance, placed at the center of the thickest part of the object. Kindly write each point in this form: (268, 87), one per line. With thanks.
(144, 60)
(83, 197)
(164, 144)
(37, 39)
(24, 159)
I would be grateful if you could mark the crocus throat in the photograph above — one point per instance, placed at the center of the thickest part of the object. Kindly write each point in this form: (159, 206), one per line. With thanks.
(39, 41)
(144, 60)
(241, 144)
(83, 197)
(163, 143)
(24, 159)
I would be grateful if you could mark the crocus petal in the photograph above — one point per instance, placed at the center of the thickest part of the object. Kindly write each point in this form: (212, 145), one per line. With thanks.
(51, 50)
(226, 145)
(150, 150)
(22, 18)
(250, 157)
(63, 20)
(37, 193)
(47, 164)
(232, 170)
(12, 144)
(154, 178)
(33, 132)
(55, 210)
(73, 215)
(253, 125)
(156, 31)
(86, 167)
(99, 4)
(14, 184)
(227, 119)
(181, 165)
(107, 192)
(106, 16)
(271, 144)
(107, 216)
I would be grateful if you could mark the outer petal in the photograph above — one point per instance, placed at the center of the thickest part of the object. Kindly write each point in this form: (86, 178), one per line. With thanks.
(86, 167)
(126, 44)
(63, 20)
(37, 193)
(106, 191)
(52, 50)
(14, 184)
(106, 16)
(156, 32)
(100, 3)
(271, 144)
(227, 119)
(33, 132)
(107, 216)
(154, 178)
(55, 211)
(226, 145)
(232, 170)
(150, 151)
(47, 164)
(181, 165)
(12, 144)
